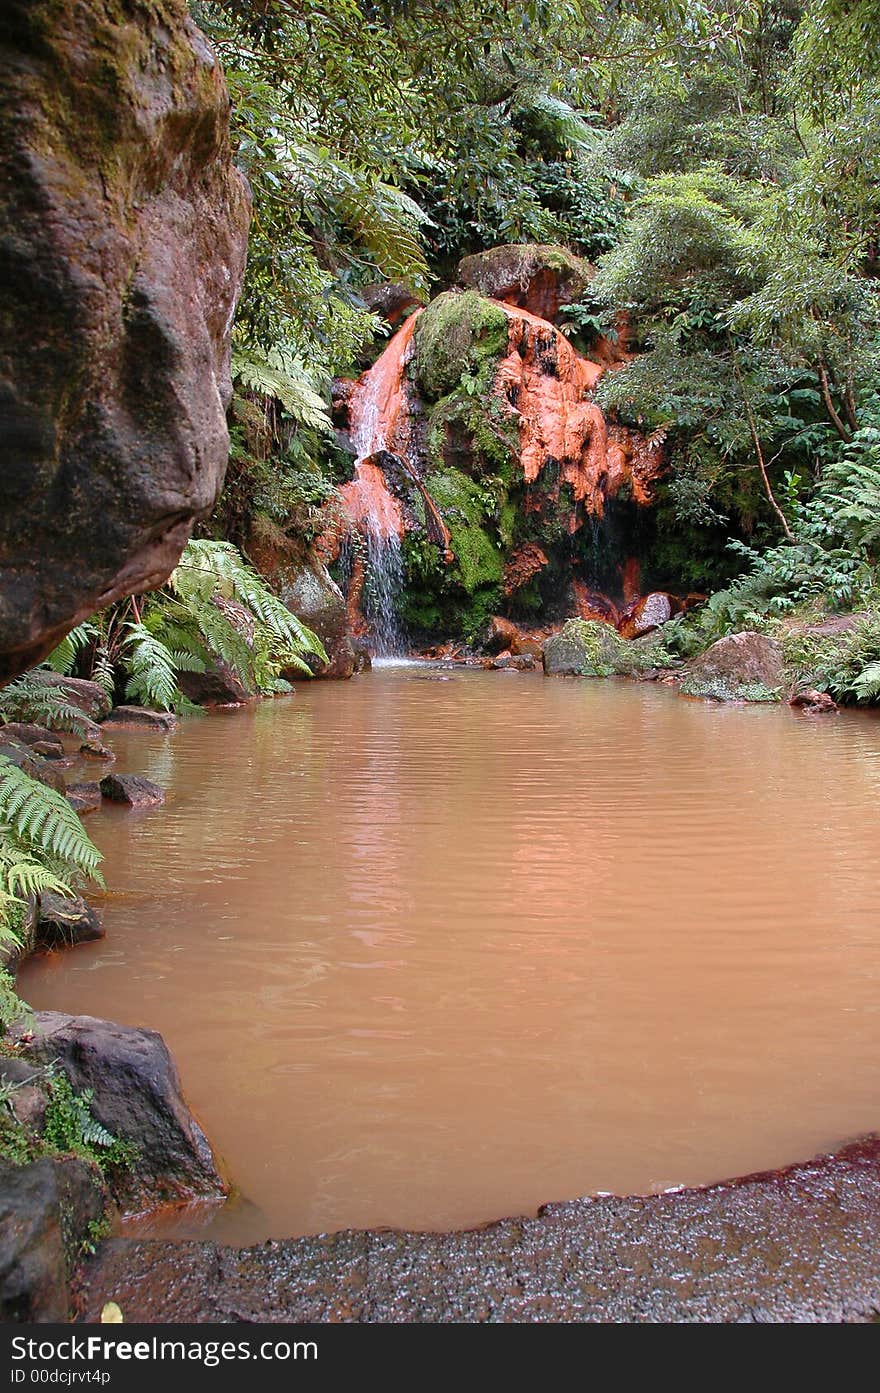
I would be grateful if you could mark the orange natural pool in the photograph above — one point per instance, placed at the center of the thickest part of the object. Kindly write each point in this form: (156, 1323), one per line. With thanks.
(433, 947)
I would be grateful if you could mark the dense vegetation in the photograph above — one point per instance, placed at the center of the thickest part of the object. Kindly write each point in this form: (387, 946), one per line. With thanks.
(718, 162)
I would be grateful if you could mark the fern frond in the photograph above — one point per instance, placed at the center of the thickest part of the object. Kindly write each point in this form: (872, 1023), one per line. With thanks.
(28, 699)
(63, 658)
(152, 675)
(277, 374)
(867, 684)
(44, 821)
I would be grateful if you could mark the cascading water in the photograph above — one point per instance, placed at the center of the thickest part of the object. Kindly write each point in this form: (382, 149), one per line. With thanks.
(382, 590)
(376, 412)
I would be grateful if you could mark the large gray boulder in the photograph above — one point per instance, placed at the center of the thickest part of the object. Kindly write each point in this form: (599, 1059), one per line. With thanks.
(137, 1097)
(741, 667)
(123, 229)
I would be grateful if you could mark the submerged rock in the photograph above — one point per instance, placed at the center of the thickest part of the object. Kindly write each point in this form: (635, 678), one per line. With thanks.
(814, 703)
(126, 717)
(84, 797)
(132, 789)
(97, 751)
(741, 667)
(137, 1097)
(123, 227)
(65, 920)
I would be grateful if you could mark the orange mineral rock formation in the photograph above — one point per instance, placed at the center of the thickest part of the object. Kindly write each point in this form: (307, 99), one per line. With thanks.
(550, 385)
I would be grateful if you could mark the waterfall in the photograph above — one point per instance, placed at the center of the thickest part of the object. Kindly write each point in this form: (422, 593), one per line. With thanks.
(377, 415)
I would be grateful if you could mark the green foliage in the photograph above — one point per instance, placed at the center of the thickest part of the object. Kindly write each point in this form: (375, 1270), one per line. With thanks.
(12, 1008)
(846, 664)
(29, 699)
(69, 1127)
(277, 374)
(214, 608)
(40, 822)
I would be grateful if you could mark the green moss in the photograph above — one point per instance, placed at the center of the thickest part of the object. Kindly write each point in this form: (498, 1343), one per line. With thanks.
(458, 337)
(717, 689)
(589, 648)
(465, 508)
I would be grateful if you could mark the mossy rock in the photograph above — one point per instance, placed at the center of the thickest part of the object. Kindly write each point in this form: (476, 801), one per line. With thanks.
(458, 335)
(537, 277)
(740, 667)
(478, 560)
(589, 648)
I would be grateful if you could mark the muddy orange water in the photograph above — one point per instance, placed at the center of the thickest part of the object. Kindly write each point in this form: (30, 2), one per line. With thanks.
(435, 947)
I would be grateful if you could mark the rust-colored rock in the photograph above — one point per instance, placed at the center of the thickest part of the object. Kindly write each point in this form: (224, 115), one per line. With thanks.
(647, 613)
(814, 703)
(526, 562)
(123, 228)
(500, 634)
(592, 604)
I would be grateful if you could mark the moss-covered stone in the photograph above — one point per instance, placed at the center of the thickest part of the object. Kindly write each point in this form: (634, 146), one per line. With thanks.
(537, 277)
(478, 560)
(741, 667)
(457, 336)
(589, 648)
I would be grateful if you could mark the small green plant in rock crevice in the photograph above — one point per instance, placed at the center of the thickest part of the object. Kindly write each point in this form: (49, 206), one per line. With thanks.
(68, 1127)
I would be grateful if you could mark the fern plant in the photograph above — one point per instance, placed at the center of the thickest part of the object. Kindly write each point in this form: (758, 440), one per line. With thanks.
(43, 846)
(214, 608)
(279, 374)
(40, 823)
(29, 699)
